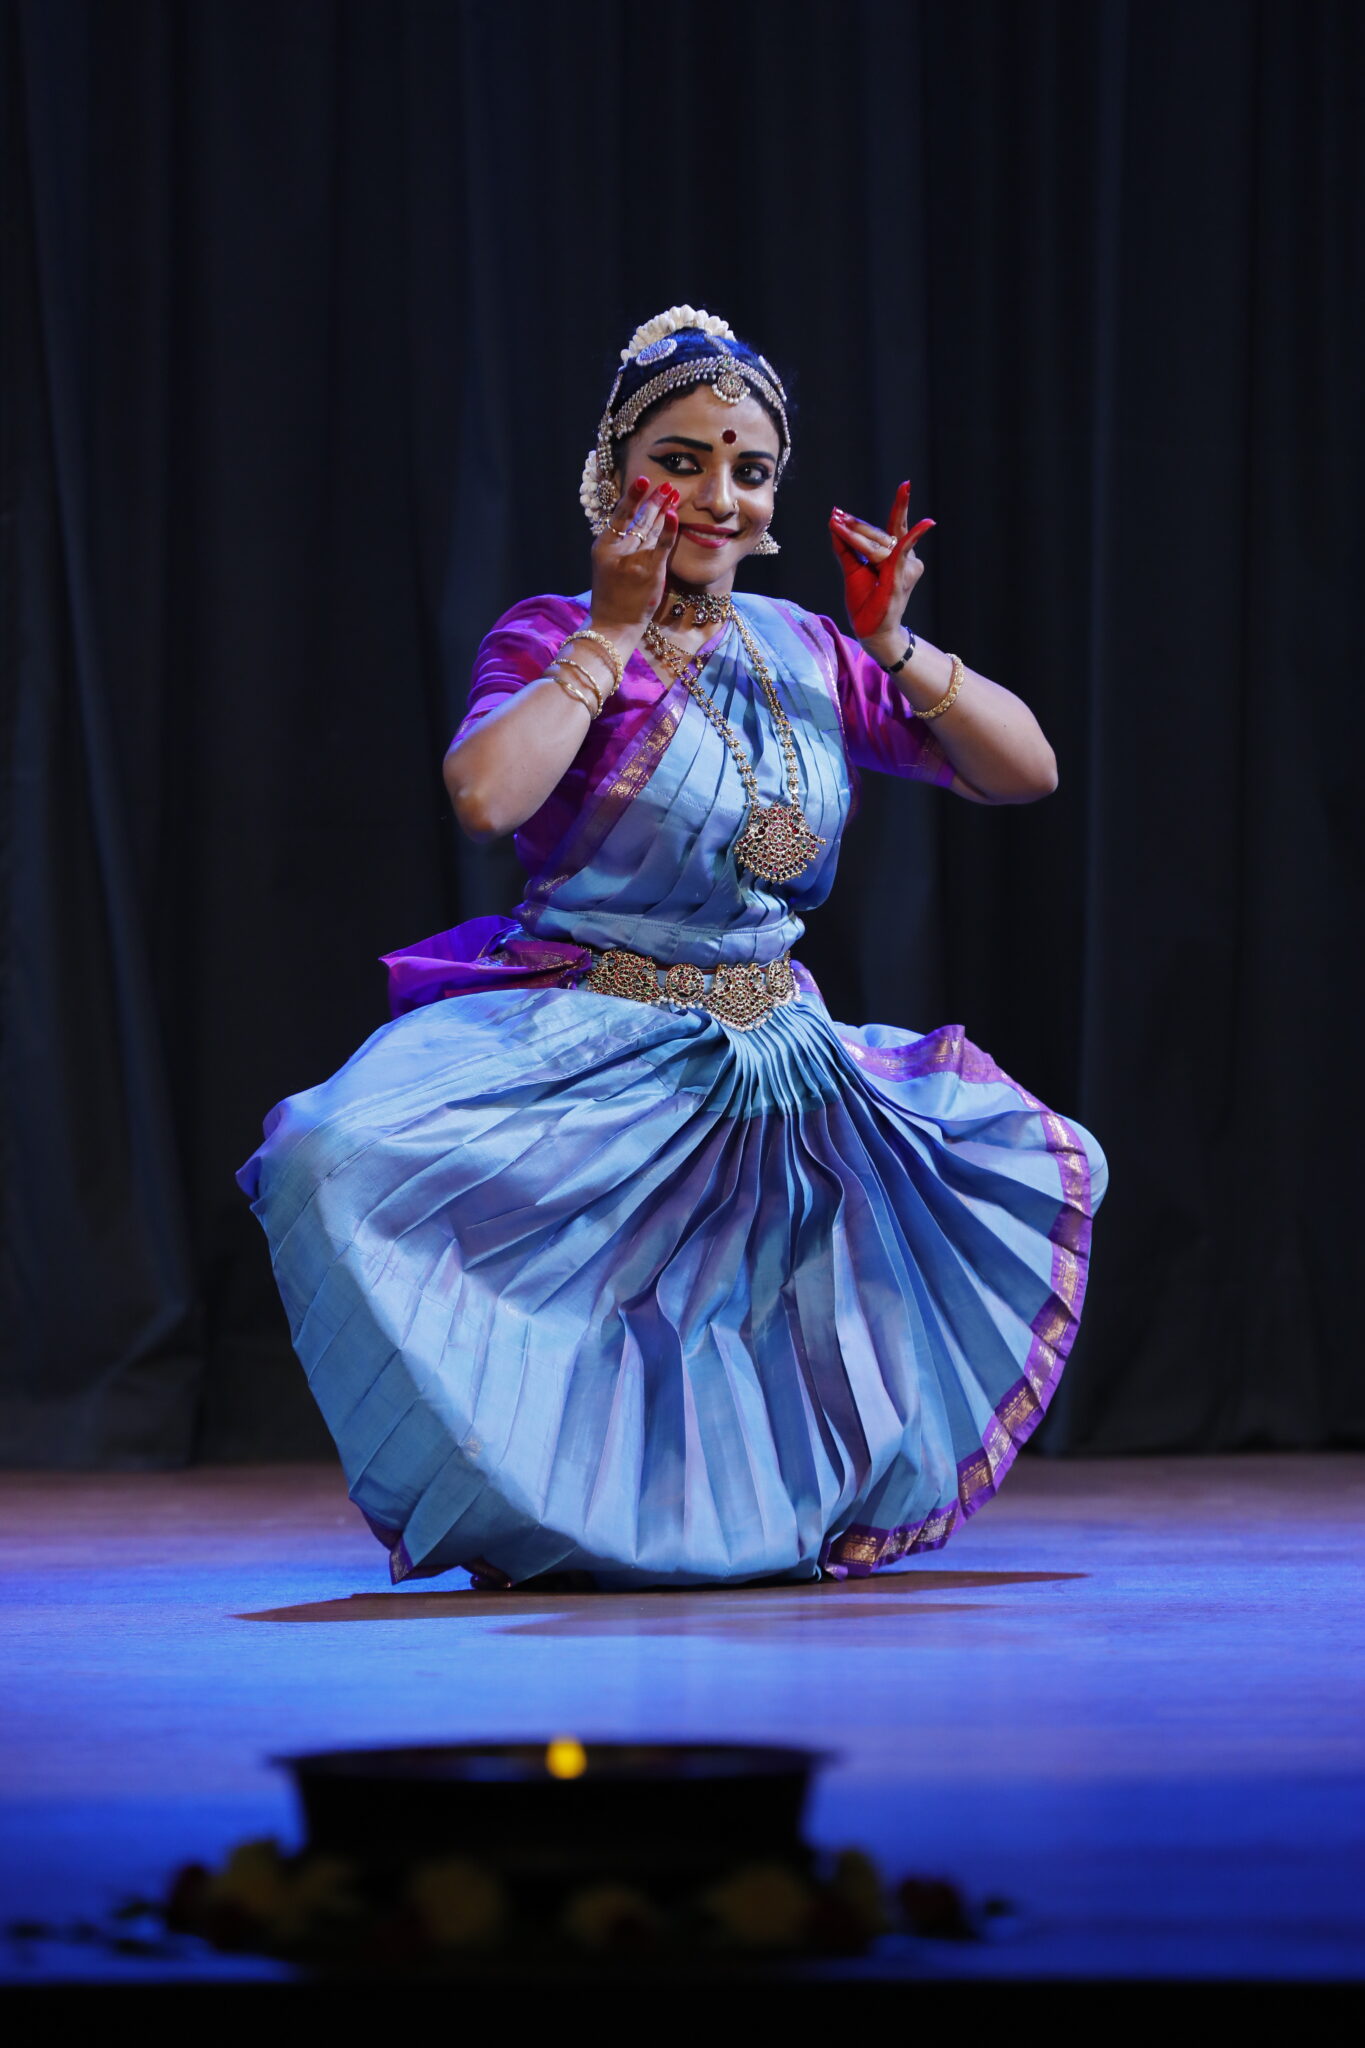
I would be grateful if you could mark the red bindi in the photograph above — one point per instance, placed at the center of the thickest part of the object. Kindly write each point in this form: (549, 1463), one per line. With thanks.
(729, 436)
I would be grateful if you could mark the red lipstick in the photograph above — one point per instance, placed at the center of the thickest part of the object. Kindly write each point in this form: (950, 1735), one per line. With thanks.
(710, 536)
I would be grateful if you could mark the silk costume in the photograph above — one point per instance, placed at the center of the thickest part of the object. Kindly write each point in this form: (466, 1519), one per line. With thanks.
(591, 1285)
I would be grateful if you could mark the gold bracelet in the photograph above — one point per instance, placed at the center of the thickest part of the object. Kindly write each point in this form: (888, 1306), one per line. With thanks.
(957, 676)
(599, 695)
(594, 684)
(577, 692)
(613, 658)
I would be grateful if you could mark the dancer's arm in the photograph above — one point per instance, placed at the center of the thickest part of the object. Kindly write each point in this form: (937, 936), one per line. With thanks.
(998, 750)
(502, 771)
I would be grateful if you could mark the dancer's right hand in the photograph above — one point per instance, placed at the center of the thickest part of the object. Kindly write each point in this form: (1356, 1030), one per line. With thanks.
(630, 558)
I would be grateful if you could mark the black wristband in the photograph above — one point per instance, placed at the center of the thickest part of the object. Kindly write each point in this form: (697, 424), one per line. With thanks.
(897, 666)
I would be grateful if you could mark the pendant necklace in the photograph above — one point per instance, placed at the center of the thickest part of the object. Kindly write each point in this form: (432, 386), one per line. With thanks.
(777, 843)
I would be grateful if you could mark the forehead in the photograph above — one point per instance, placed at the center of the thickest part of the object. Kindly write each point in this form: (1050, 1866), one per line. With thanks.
(701, 416)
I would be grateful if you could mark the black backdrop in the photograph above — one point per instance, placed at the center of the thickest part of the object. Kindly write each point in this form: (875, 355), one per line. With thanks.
(308, 312)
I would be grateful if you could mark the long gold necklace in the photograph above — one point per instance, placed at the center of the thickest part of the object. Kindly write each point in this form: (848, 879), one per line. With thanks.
(777, 842)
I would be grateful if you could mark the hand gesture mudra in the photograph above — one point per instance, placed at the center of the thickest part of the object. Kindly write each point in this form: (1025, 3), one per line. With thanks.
(630, 556)
(880, 565)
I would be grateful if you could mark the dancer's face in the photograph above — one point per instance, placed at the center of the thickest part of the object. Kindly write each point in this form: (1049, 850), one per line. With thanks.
(722, 459)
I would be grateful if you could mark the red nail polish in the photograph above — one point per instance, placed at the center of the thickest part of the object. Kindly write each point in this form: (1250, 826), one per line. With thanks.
(641, 484)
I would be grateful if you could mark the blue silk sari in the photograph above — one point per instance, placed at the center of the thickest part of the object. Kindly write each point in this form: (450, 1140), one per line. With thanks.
(584, 1284)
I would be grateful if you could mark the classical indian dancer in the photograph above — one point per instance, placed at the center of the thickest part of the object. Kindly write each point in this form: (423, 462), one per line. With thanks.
(613, 1260)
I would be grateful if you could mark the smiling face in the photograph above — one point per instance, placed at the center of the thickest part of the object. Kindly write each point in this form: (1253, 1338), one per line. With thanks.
(722, 459)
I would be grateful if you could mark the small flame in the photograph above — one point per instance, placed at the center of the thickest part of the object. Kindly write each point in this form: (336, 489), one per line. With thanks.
(566, 1758)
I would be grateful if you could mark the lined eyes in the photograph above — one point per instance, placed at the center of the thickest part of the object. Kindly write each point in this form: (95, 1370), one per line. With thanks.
(751, 476)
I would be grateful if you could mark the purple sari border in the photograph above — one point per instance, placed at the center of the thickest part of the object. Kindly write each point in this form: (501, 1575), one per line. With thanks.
(860, 1550)
(947, 1048)
(628, 767)
(633, 739)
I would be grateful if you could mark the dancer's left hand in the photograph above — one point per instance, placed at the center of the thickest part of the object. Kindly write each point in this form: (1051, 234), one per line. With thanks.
(880, 565)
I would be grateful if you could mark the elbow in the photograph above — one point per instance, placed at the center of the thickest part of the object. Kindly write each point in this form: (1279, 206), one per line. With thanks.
(477, 824)
(476, 812)
(1023, 787)
(1045, 781)
(1035, 782)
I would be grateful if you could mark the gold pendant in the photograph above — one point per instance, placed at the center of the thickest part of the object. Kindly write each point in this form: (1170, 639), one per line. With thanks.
(777, 843)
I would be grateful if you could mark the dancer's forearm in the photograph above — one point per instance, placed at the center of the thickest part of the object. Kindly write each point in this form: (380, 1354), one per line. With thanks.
(993, 740)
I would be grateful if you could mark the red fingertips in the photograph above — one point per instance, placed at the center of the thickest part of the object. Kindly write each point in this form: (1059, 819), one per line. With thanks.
(921, 527)
(640, 484)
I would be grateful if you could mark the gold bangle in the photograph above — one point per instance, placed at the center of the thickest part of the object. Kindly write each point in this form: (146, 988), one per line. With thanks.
(599, 695)
(597, 688)
(577, 692)
(956, 677)
(612, 655)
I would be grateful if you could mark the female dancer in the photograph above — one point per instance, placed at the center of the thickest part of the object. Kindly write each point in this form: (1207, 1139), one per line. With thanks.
(613, 1255)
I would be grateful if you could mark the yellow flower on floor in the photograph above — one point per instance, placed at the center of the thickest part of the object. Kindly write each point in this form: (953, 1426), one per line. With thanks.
(859, 1884)
(321, 1893)
(288, 1899)
(610, 1916)
(458, 1903)
(762, 1906)
(255, 1879)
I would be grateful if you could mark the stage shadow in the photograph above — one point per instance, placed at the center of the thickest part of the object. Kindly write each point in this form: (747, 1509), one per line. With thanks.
(820, 1597)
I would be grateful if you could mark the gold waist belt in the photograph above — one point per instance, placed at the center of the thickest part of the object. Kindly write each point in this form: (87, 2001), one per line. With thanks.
(741, 996)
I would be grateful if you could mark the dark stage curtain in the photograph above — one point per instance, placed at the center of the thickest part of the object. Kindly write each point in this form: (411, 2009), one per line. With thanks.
(308, 313)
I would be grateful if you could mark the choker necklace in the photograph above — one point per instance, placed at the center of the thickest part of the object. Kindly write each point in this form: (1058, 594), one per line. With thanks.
(710, 607)
(776, 843)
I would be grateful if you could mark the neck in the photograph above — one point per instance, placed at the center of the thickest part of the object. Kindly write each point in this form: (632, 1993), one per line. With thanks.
(722, 586)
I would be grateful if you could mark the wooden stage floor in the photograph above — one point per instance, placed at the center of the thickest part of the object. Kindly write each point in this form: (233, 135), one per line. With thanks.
(1128, 1697)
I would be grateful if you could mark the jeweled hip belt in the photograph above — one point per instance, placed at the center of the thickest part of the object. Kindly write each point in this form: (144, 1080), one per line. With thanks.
(741, 996)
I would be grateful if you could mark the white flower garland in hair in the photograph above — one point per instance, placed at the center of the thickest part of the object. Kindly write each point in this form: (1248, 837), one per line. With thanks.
(673, 322)
(587, 490)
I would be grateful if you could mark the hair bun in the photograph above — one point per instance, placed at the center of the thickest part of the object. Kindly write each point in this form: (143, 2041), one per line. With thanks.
(673, 322)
